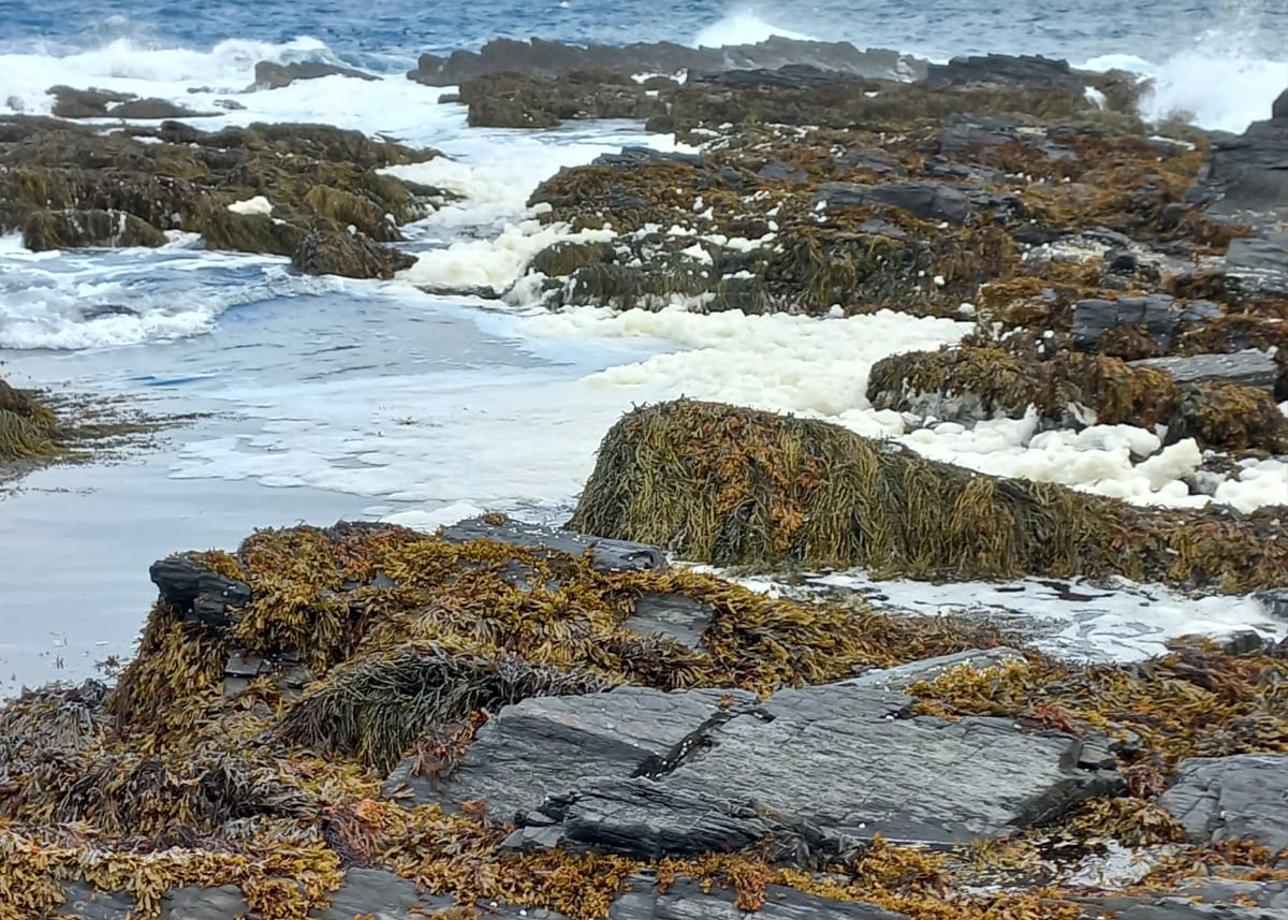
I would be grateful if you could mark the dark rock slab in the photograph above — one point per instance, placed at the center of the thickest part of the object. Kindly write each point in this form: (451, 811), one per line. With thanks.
(351, 255)
(1158, 314)
(905, 675)
(84, 103)
(606, 555)
(194, 903)
(1245, 178)
(86, 902)
(270, 75)
(672, 615)
(1244, 797)
(926, 200)
(1251, 368)
(79, 229)
(1259, 264)
(685, 900)
(1029, 71)
(154, 110)
(555, 58)
(539, 748)
(819, 770)
(194, 589)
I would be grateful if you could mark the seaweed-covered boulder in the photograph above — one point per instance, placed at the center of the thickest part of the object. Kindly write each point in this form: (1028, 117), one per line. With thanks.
(259, 188)
(223, 228)
(27, 427)
(734, 486)
(75, 229)
(1230, 416)
(350, 254)
(1224, 799)
(657, 775)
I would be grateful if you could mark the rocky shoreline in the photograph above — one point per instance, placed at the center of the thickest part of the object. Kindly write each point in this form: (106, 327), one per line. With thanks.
(502, 720)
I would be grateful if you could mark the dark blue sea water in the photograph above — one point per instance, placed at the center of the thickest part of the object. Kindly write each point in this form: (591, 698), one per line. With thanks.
(394, 31)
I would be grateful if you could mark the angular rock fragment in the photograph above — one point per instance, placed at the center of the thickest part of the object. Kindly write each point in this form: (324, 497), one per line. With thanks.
(607, 555)
(1223, 799)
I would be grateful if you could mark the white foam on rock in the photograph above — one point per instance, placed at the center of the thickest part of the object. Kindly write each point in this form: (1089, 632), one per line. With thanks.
(257, 205)
(1122, 622)
(819, 368)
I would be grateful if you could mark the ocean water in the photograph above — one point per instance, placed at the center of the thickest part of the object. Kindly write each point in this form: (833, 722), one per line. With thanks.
(327, 398)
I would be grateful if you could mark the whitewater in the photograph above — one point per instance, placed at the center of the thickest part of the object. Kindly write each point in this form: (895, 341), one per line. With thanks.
(321, 398)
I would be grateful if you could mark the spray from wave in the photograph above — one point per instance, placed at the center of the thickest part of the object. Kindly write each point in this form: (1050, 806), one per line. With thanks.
(744, 25)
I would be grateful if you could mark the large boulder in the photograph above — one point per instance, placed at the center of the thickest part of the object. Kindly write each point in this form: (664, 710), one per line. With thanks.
(820, 770)
(734, 486)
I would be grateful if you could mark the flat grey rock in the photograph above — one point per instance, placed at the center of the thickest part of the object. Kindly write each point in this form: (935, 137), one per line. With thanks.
(685, 900)
(672, 615)
(372, 893)
(193, 903)
(820, 770)
(905, 675)
(1244, 797)
(88, 903)
(1251, 368)
(1260, 263)
(607, 555)
(1159, 314)
(542, 747)
(927, 200)
(1218, 890)
(1182, 909)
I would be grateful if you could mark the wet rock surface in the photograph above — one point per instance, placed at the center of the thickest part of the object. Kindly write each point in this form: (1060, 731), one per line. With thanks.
(545, 58)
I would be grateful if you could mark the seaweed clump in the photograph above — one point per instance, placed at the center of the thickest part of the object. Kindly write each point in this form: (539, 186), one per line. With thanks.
(27, 428)
(740, 487)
